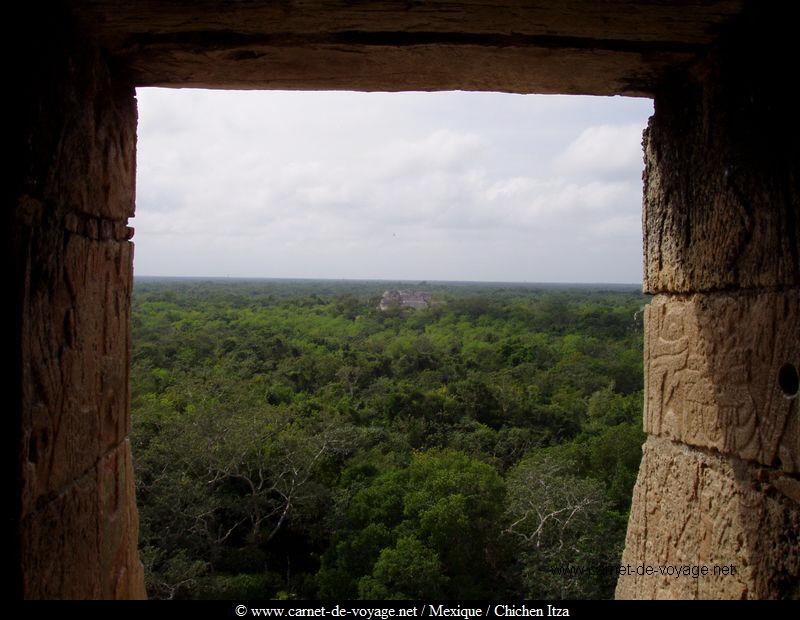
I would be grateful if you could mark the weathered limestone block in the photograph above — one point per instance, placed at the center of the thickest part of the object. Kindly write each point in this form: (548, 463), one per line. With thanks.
(121, 572)
(721, 194)
(76, 346)
(59, 544)
(82, 543)
(712, 364)
(694, 508)
(95, 158)
(78, 133)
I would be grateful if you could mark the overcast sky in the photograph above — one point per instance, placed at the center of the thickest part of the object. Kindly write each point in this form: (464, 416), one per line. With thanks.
(418, 186)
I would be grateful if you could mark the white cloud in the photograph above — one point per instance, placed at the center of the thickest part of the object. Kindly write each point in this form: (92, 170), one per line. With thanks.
(603, 150)
(411, 185)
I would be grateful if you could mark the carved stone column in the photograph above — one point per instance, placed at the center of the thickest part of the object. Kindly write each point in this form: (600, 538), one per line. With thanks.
(70, 281)
(719, 484)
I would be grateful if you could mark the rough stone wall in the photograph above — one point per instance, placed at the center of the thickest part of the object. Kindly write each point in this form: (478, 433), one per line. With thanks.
(72, 191)
(719, 482)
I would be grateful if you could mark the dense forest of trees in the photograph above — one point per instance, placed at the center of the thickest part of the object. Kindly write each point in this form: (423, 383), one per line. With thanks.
(293, 441)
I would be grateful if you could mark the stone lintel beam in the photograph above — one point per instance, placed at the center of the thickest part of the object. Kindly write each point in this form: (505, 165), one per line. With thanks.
(504, 66)
(565, 46)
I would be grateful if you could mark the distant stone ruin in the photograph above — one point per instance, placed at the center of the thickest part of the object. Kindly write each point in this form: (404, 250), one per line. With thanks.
(405, 299)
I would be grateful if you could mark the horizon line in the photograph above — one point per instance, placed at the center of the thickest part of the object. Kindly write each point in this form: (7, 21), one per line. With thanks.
(417, 280)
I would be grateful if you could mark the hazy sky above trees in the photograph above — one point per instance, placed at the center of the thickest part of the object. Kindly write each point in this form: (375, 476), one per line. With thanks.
(434, 186)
